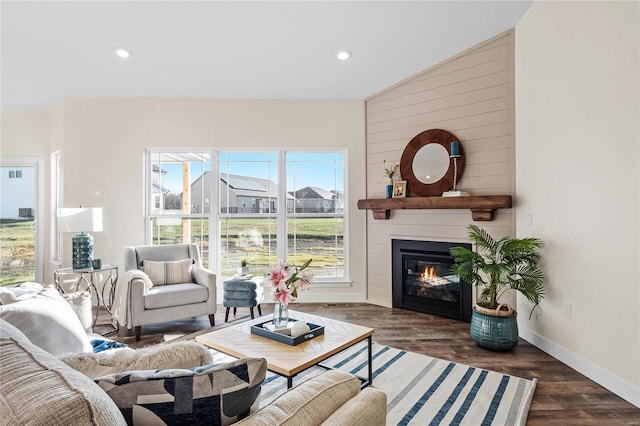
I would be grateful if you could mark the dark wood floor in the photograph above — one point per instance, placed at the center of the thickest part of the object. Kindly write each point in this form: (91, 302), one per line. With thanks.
(563, 396)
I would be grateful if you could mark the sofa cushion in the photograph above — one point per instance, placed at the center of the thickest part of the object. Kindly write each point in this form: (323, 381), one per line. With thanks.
(170, 272)
(212, 394)
(49, 322)
(37, 388)
(309, 403)
(175, 295)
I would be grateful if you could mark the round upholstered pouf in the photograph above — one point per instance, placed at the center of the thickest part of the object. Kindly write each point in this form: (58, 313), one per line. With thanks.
(493, 332)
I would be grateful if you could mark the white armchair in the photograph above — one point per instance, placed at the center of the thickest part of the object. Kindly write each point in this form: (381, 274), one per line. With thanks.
(182, 287)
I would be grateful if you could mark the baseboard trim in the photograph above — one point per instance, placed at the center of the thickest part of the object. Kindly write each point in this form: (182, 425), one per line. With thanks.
(308, 297)
(615, 384)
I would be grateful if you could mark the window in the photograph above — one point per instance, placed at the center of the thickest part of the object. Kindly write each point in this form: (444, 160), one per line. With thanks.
(176, 193)
(15, 174)
(270, 205)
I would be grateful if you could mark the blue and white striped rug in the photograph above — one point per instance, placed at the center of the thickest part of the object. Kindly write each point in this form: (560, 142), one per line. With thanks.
(422, 390)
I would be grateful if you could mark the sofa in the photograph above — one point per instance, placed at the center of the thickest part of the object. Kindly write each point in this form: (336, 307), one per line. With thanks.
(170, 383)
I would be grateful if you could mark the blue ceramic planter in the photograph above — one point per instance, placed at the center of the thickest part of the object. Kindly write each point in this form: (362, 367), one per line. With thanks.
(495, 333)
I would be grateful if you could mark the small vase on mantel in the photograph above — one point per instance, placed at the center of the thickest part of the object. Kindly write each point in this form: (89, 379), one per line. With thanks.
(390, 190)
(280, 314)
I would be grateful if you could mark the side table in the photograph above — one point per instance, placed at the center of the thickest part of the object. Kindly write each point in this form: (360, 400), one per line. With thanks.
(242, 292)
(101, 282)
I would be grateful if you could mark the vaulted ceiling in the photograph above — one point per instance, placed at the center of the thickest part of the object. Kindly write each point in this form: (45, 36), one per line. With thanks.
(52, 50)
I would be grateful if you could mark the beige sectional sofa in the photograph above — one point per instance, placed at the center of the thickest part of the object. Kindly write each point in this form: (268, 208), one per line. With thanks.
(38, 387)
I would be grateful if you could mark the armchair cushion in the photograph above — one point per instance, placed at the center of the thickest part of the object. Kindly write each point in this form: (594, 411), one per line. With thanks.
(212, 394)
(175, 295)
(169, 272)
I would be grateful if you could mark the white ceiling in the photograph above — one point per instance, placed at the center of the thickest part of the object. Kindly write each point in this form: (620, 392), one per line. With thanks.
(51, 50)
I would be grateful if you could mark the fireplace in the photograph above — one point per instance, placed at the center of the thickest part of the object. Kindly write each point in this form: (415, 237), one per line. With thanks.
(422, 281)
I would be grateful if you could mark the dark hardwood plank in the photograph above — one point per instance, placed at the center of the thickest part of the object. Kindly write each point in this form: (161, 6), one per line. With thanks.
(563, 396)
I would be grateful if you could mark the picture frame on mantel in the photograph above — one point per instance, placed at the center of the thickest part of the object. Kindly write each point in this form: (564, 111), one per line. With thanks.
(400, 189)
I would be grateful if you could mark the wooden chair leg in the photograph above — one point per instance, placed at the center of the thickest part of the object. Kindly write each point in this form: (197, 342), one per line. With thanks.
(212, 320)
(251, 309)
(138, 332)
(259, 310)
(226, 315)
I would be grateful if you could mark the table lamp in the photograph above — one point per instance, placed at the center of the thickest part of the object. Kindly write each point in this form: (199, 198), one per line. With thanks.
(81, 220)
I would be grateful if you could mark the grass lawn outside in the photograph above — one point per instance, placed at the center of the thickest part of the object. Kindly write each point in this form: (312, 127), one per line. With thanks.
(17, 251)
(243, 238)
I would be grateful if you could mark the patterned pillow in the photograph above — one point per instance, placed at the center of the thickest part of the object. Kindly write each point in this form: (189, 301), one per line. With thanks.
(170, 272)
(213, 394)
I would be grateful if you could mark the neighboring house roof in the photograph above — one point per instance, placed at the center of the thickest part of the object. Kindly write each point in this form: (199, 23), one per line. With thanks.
(157, 169)
(159, 188)
(314, 192)
(246, 186)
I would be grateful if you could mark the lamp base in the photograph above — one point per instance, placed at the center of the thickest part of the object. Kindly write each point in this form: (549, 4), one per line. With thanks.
(82, 245)
(455, 194)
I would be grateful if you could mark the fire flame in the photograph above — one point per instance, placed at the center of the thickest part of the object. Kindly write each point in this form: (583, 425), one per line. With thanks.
(429, 272)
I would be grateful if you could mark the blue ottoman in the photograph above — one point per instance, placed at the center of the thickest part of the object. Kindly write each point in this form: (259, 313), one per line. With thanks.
(241, 293)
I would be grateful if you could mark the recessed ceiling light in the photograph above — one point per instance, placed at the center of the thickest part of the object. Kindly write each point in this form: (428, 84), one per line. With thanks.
(343, 55)
(122, 52)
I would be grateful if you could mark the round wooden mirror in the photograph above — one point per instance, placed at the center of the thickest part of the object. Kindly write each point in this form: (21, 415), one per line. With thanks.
(426, 163)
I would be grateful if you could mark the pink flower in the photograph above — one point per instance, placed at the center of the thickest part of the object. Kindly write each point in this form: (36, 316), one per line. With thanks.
(283, 296)
(306, 278)
(285, 284)
(278, 275)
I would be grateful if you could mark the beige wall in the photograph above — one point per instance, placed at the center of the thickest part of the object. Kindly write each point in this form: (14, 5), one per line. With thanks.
(577, 172)
(471, 96)
(103, 143)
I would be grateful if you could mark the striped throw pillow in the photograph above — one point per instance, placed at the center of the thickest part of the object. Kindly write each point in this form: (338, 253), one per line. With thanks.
(170, 272)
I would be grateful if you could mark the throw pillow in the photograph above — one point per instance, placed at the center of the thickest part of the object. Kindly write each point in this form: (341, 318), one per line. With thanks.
(213, 394)
(170, 355)
(170, 272)
(49, 322)
(80, 302)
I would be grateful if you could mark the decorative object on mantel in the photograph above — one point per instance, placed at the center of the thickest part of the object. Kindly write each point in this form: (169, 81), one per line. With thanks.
(427, 163)
(285, 286)
(400, 189)
(390, 172)
(455, 154)
(508, 263)
(481, 206)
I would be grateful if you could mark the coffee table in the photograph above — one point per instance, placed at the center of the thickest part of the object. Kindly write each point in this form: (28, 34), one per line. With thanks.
(286, 360)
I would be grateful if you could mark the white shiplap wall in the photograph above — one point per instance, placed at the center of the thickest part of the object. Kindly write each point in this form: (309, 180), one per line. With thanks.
(472, 96)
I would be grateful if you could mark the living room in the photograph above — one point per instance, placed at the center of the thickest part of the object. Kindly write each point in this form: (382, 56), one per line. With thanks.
(563, 144)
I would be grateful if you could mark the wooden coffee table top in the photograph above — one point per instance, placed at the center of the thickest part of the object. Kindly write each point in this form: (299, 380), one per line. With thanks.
(283, 359)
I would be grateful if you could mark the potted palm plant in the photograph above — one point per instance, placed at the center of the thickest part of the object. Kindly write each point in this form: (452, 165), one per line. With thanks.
(497, 266)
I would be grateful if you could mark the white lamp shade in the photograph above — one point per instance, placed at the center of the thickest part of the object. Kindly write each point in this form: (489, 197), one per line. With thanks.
(80, 219)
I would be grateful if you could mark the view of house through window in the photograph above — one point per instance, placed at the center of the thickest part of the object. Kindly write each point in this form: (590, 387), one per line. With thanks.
(266, 206)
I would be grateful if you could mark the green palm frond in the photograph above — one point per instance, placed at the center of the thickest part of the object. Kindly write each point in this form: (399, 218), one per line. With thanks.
(499, 265)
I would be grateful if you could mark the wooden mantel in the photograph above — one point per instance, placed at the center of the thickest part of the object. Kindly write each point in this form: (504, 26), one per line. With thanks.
(481, 206)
